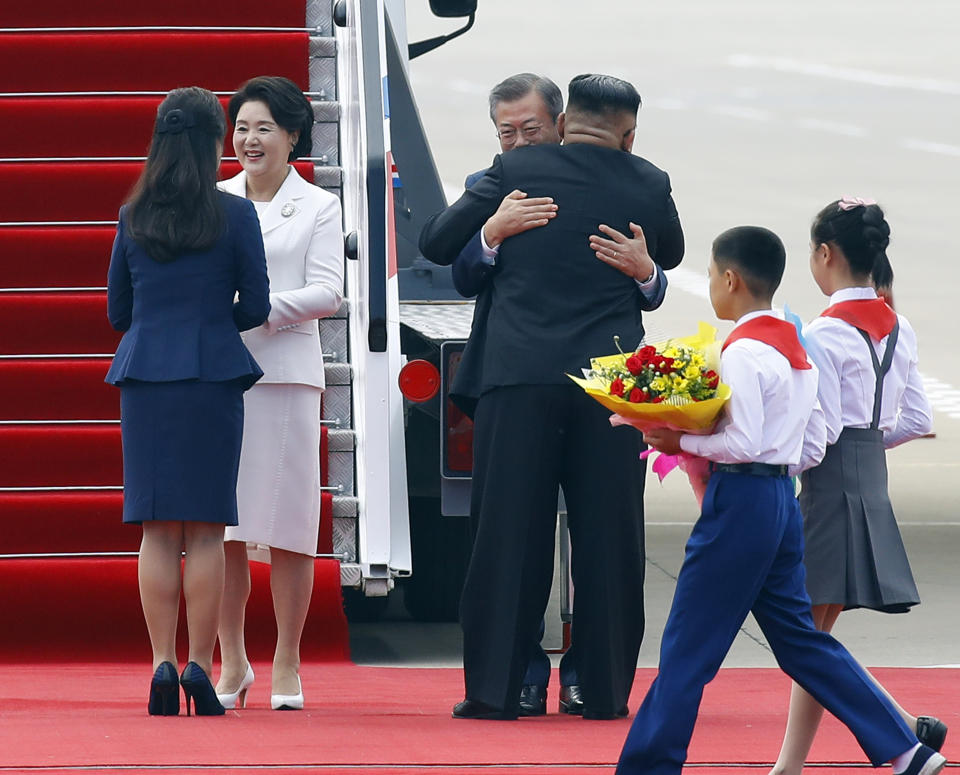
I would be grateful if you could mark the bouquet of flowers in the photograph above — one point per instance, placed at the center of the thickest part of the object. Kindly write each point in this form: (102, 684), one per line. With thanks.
(674, 384)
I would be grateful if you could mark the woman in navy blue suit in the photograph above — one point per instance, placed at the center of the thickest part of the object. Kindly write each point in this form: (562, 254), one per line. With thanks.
(184, 252)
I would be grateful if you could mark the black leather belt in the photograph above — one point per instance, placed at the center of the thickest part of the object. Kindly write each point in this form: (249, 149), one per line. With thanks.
(755, 469)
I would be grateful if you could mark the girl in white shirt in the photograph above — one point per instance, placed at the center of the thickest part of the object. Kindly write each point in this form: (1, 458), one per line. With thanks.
(872, 399)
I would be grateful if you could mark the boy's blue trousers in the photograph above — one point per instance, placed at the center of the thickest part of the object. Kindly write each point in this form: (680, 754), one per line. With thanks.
(746, 554)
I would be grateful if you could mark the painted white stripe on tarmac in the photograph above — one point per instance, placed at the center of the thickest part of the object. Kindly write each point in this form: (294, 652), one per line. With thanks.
(835, 127)
(739, 111)
(852, 74)
(924, 145)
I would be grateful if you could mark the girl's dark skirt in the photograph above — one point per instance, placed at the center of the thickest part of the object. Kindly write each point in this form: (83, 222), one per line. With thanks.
(181, 450)
(853, 551)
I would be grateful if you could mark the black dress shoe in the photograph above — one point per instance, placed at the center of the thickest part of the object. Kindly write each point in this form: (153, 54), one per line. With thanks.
(931, 732)
(533, 700)
(571, 700)
(480, 710)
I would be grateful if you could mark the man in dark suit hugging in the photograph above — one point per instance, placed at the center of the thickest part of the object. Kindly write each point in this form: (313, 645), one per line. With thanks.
(559, 295)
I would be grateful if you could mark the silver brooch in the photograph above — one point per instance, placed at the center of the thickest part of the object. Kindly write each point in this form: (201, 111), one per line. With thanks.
(287, 210)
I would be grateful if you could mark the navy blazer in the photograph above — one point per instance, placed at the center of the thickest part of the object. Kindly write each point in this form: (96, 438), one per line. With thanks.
(470, 271)
(179, 318)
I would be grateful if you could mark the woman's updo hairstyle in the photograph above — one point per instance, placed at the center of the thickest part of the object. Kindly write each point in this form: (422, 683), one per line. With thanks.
(288, 106)
(174, 207)
(861, 232)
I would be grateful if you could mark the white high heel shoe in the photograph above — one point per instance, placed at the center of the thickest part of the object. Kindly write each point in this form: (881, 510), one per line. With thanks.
(288, 701)
(232, 699)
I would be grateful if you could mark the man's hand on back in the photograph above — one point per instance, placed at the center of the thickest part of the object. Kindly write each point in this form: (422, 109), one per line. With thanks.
(629, 255)
(517, 214)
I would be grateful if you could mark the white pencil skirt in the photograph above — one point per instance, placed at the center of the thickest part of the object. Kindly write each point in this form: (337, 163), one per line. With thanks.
(278, 489)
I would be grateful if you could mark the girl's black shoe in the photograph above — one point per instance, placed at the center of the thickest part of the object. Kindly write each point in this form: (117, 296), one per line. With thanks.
(164, 691)
(196, 686)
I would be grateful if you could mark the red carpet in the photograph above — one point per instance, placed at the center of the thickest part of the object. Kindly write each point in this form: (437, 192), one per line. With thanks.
(68, 608)
(104, 13)
(365, 719)
(88, 609)
(76, 191)
(149, 61)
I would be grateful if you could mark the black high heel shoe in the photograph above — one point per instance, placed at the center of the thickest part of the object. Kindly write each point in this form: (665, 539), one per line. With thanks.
(196, 686)
(164, 691)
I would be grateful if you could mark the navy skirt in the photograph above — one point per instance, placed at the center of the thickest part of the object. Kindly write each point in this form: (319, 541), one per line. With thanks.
(181, 450)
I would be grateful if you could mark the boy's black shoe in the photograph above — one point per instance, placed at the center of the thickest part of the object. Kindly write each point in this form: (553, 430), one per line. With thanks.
(931, 731)
(480, 710)
(533, 700)
(925, 761)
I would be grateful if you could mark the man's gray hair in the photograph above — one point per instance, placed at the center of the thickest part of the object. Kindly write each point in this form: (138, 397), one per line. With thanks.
(518, 86)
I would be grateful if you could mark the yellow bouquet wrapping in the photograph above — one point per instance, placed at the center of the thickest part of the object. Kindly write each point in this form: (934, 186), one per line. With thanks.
(674, 384)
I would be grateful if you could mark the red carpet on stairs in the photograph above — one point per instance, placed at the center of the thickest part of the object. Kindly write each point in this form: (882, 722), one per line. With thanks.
(372, 719)
(76, 191)
(105, 13)
(66, 257)
(58, 420)
(148, 61)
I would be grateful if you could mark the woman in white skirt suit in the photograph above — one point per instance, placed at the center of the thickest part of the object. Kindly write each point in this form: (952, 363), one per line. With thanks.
(278, 490)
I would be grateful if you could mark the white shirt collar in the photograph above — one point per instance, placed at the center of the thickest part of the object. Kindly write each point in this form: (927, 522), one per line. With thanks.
(756, 314)
(852, 294)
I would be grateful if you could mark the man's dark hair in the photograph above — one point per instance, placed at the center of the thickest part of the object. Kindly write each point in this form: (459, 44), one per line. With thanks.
(519, 86)
(174, 207)
(287, 104)
(602, 95)
(756, 253)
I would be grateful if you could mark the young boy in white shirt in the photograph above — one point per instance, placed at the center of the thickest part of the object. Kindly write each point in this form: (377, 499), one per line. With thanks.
(745, 553)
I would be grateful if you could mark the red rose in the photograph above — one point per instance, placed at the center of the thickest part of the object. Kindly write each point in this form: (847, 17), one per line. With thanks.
(656, 400)
(665, 365)
(647, 354)
(634, 364)
(711, 378)
(636, 396)
(616, 387)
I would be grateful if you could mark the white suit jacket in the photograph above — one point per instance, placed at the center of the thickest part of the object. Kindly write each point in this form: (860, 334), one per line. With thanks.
(303, 239)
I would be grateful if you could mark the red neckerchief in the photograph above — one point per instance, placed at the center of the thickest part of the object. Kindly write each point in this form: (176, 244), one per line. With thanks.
(779, 334)
(870, 315)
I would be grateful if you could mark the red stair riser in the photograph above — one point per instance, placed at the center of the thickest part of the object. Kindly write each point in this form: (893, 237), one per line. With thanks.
(76, 191)
(88, 609)
(60, 456)
(123, 13)
(57, 390)
(157, 61)
(60, 257)
(56, 323)
(129, 119)
(41, 523)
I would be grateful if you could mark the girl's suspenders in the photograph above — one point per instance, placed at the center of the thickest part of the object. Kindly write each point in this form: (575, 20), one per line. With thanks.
(880, 369)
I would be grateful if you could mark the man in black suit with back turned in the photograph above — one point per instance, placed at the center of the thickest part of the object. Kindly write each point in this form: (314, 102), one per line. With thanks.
(559, 296)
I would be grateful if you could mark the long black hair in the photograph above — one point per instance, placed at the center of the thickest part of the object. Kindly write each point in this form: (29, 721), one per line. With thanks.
(174, 206)
(861, 231)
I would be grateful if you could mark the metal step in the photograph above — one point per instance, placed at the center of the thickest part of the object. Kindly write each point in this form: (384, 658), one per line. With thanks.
(323, 67)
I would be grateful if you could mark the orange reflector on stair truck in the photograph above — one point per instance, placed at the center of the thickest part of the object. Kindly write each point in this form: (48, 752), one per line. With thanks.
(419, 381)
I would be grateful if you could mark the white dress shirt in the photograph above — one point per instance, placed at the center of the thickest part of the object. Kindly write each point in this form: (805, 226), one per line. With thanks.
(848, 383)
(772, 416)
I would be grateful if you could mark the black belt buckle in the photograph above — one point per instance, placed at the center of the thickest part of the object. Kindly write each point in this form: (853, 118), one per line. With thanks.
(754, 469)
